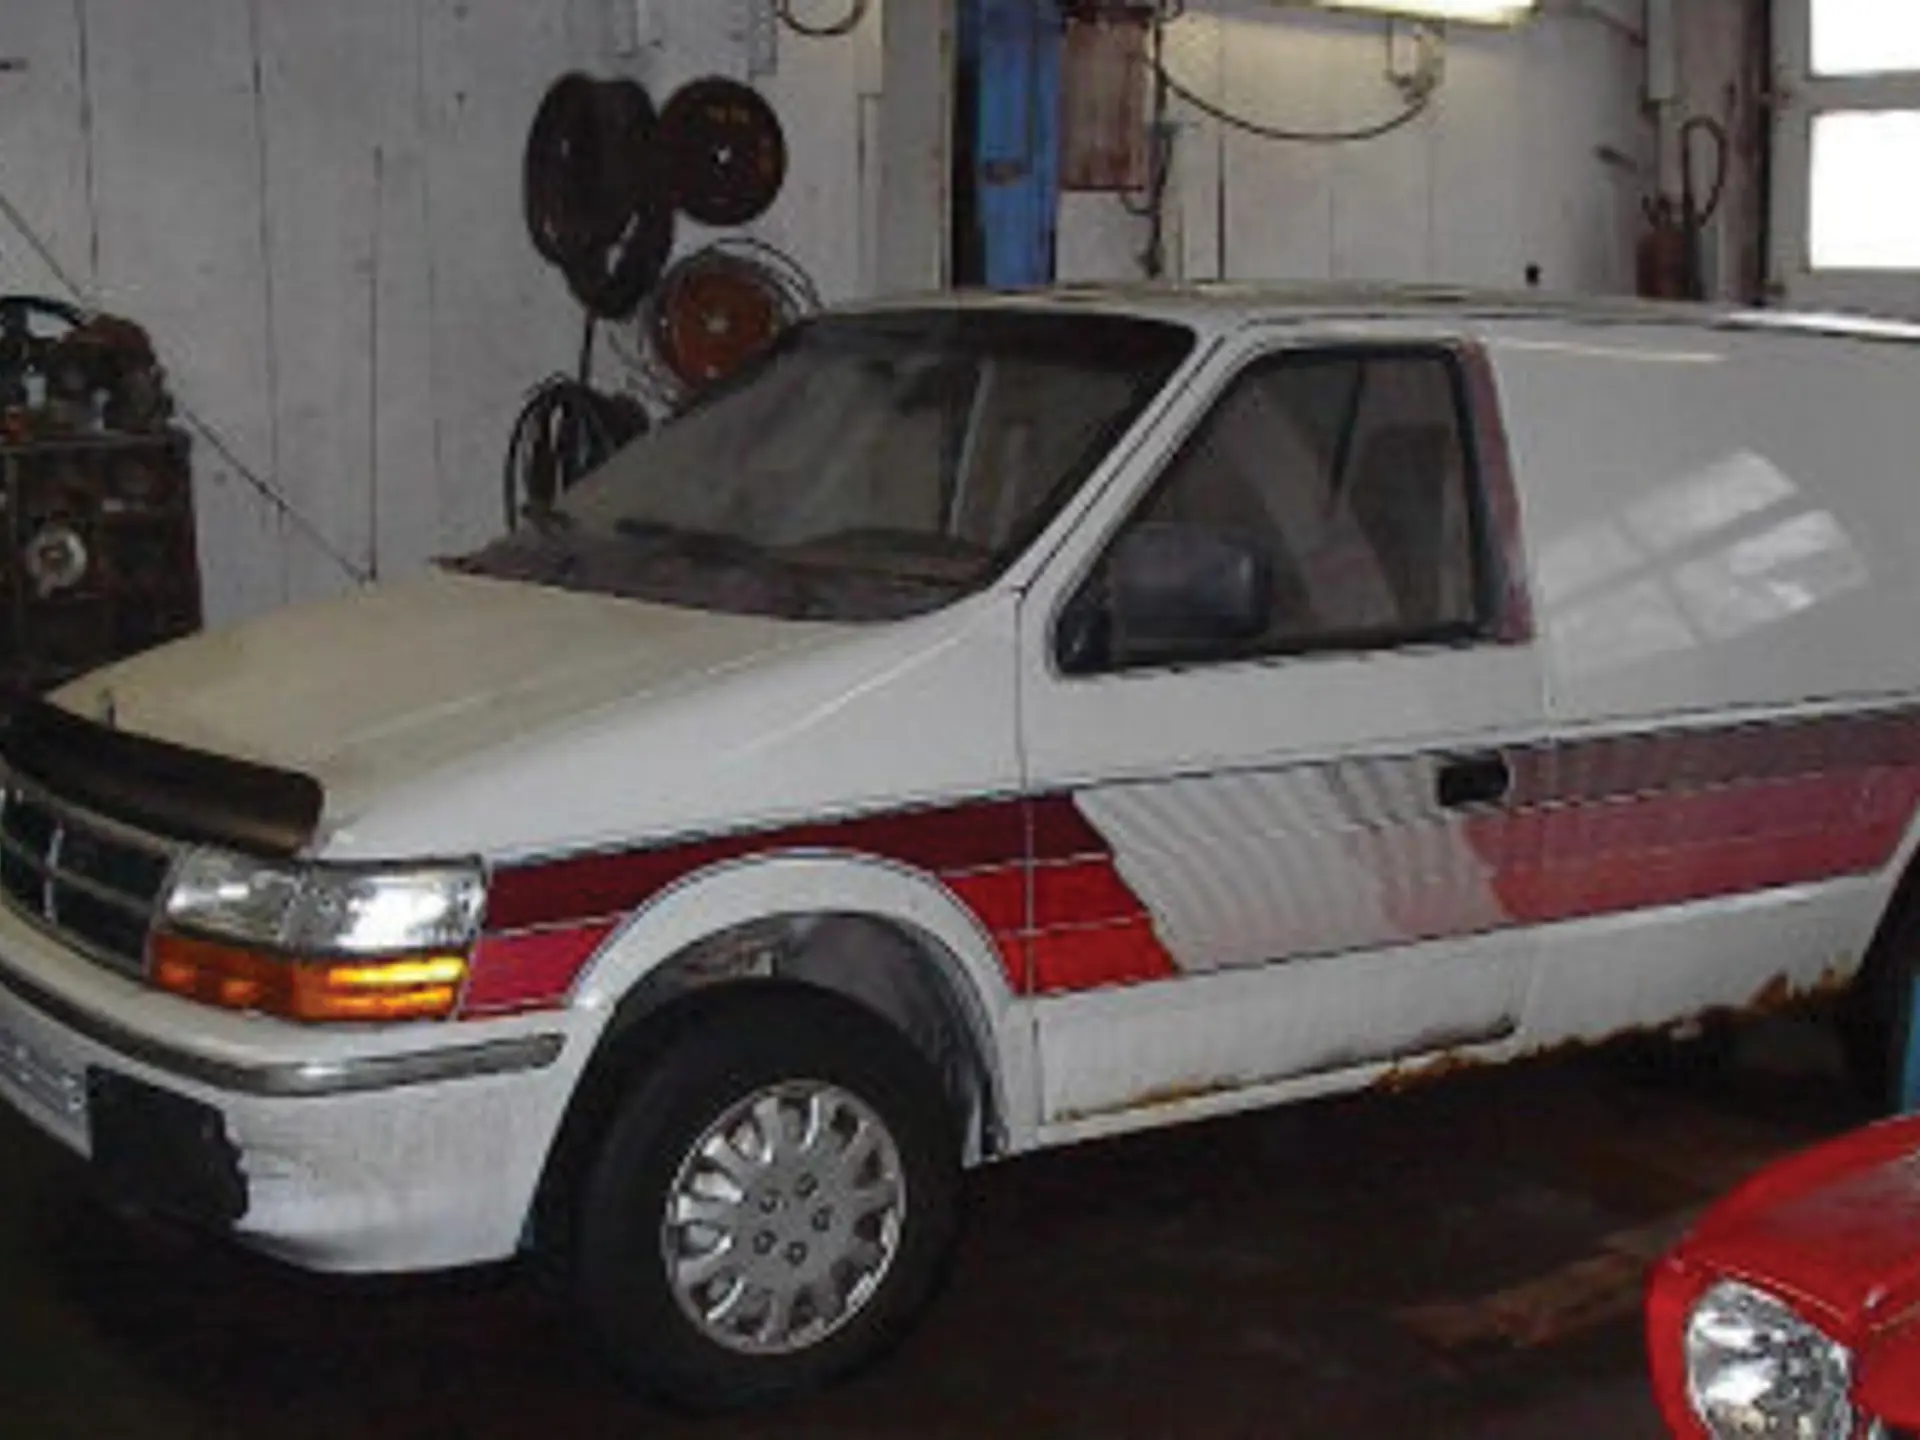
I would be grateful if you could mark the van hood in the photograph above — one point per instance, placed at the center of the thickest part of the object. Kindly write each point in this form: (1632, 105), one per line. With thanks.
(377, 687)
(457, 714)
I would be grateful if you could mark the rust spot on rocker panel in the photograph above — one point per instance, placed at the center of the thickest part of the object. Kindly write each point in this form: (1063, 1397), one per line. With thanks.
(1179, 1094)
(1778, 995)
(1422, 1072)
(1352, 1058)
(1436, 1057)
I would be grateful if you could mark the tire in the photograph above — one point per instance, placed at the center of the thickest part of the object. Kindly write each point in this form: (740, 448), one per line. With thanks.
(771, 1206)
(1875, 1015)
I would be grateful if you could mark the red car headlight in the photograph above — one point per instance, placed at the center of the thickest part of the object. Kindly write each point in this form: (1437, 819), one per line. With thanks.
(1731, 1362)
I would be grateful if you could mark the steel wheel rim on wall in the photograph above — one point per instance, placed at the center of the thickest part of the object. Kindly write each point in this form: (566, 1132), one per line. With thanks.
(784, 1218)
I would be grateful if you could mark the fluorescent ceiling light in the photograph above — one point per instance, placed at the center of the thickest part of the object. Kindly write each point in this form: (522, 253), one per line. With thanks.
(1472, 12)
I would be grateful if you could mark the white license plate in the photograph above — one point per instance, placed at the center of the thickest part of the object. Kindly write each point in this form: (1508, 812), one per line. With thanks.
(56, 1089)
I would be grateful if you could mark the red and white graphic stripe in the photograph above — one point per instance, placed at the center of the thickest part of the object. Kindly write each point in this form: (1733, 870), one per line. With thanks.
(1133, 883)
(1040, 881)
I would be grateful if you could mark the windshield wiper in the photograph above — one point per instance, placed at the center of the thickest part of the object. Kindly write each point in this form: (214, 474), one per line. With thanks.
(804, 596)
(712, 545)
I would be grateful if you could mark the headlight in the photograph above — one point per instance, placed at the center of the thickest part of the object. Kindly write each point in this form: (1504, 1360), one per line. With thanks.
(226, 894)
(322, 910)
(318, 942)
(1757, 1371)
(376, 912)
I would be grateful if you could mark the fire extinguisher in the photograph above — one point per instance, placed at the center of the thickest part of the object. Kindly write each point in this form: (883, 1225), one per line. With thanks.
(1668, 261)
(1661, 258)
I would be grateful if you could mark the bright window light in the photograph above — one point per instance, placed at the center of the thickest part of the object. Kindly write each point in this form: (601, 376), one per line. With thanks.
(1862, 212)
(1473, 12)
(1865, 37)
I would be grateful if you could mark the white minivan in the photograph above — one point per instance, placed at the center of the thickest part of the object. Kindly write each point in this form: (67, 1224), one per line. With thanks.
(991, 722)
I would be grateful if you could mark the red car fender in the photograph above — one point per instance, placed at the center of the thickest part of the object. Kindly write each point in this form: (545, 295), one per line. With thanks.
(1888, 1383)
(1673, 1288)
(1834, 1232)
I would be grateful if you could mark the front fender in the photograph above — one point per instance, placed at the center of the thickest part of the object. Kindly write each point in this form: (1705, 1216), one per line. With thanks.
(735, 893)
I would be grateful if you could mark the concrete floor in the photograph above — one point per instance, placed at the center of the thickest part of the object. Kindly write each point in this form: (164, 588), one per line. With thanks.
(1457, 1261)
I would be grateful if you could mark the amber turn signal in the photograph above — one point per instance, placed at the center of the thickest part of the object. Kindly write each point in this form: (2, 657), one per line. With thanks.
(413, 987)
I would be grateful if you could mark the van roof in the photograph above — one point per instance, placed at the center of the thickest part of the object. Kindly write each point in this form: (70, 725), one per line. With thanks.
(1216, 305)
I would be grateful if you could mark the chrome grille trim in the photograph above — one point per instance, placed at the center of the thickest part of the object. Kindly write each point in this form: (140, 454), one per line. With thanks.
(105, 894)
(113, 849)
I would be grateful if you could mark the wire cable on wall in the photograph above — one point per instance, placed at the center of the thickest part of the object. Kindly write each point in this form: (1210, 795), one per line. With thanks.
(1415, 108)
(287, 511)
(1418, 88)
(566, 431)
(829, 30)
(1152, 206)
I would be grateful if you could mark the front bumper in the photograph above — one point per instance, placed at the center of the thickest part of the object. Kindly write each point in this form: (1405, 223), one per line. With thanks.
(383, 1149)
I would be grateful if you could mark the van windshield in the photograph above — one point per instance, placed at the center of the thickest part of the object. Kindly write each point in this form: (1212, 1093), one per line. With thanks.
(868, 468)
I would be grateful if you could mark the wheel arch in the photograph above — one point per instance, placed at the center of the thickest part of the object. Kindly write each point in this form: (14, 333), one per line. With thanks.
(875, 935)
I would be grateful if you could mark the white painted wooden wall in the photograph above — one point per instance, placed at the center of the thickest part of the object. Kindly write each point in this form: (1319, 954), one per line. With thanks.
(314, 206)
(1501, 173)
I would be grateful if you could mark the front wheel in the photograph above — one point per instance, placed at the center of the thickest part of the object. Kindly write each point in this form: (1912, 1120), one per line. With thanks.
(772, 1203)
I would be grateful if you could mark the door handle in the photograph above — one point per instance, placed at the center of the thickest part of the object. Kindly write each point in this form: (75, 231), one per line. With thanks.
(1468, 780)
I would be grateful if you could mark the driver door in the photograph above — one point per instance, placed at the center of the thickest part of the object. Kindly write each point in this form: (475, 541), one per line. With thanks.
(1277, 818)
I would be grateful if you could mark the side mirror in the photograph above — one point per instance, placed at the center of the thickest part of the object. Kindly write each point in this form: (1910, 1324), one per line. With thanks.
(1178, 588)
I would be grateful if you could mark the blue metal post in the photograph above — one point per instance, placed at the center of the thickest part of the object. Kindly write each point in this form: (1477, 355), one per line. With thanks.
(1017, 138)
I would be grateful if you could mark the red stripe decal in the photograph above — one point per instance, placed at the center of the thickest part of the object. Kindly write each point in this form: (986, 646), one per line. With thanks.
(967, 837)
(1087, 892)
(1593, 826)
(1124, 954)
(1061, 832)
(1038, 915)
(1611, 884)
(530, 971)
(1818, 801)
(998, 898)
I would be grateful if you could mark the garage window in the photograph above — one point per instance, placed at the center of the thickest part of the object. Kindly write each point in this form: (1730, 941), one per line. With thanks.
(1860, 218)
(1342, 480)
(1865, 37)
(1846, 223)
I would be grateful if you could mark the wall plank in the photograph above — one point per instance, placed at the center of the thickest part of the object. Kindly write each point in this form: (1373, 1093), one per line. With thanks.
(1477, 227)
(1382, 190)
(178, 191)
(337, 106)
(1279, 198)
(818, 91)
(502, 320)
(45, 146)
(915, 128)
(1196, 197)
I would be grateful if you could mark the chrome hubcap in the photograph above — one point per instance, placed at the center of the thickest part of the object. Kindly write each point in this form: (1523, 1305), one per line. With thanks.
(784, 1218)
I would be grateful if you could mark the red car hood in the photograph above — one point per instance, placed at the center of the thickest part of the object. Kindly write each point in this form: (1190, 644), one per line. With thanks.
(1836, 1231)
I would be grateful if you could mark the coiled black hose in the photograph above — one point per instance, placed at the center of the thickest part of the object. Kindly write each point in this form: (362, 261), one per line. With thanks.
(566, 430)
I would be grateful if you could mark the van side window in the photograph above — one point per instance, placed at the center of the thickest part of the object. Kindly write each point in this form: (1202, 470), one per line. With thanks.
(1325, 503)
